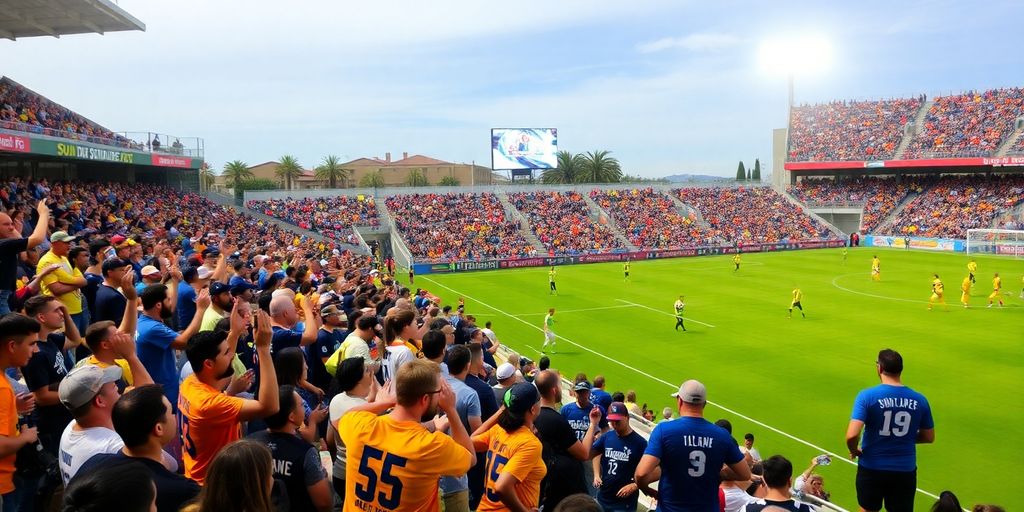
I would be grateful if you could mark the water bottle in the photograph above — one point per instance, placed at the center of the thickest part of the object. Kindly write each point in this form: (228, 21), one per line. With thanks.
(823, 460)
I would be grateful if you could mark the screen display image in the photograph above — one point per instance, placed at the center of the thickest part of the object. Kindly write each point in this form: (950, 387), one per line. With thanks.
(524, 148)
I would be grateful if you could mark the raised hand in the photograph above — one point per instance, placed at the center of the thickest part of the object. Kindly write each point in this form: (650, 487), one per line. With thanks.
(26, 403)
(263, 331)
(203, 299)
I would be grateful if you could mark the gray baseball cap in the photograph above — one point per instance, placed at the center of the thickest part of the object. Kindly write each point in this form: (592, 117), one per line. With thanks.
(692, 392)
(83, 384)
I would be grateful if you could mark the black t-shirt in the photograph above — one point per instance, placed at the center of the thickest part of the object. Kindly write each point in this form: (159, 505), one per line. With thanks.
(9, 249)
(790, 505)
(172, 490)
(488, 404)
(296, 463)
(92, 284)
(47, 368)
(109, 305)
(565, 473)
(326, 344)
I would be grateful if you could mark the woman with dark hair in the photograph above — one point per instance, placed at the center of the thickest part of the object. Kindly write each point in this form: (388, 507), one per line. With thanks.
(948, 502)
(354, 385)
(126, 486)
(240, 479)
(399, 328)
(290, 365)
(513, 452)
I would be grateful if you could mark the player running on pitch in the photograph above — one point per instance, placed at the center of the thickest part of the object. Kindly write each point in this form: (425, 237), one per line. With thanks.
(876, 268)
(965, 291)
(937, 293)
(972, 268)
(736, 261)
(797, 295)
(551, 282)
(997, 293)
(845, 252)
(549, 333)
(678, 309)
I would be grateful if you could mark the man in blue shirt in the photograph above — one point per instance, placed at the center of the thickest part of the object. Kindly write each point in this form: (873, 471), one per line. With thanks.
(618, 455)
(578, 415)
(193, 279)
(598, 396)
(894, 418)
(156, 343)
(691, 452)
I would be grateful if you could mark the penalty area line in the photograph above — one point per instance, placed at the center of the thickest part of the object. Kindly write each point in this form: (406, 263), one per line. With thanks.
(664, 313)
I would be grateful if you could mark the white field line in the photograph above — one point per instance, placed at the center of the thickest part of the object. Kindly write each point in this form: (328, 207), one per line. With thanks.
(664, 312)
(912, 301)
(835, 456)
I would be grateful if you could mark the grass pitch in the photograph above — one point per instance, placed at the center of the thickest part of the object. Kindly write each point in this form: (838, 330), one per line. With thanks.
(791, 382)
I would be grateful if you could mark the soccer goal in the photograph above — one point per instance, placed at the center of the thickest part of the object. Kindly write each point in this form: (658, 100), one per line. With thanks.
(1005, 242)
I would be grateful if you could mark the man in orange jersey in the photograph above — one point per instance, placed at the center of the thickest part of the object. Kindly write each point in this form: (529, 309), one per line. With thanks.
(209, 418)
(394, 462)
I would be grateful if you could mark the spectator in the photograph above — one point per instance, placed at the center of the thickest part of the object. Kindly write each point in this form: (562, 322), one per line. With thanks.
(955, 204)
(598, 395)
(11, 243)
(116, 346)
(506, 375)
(578, 503)
(296, 462)
(666, 414)
(689, 452)
(564, 453)
(144, 420)
(194, 280)
(477, 380)
(748, 448)
(400, 348)
(455, 489)
(649, 219)
(730, 215)
(615, 460)
(399, 438)
(561, 221)
(221, 303)
(631, 404)
(333, 217)
(290, 365)
(578, 414)
(285, 320)
(333, 331)
(210, 419)
(110, 301)
(778, 476)
(358, 343)
(126, 485)
(810, 483)
(157, 342)
(17, 343)
(354, 385)
(66, 282)
(967, 125)
(238, 480)
(515, 468)
(849, 130)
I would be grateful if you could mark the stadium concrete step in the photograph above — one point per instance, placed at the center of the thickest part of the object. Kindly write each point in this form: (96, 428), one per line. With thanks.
(1004, 148)
(599, 213)
(918, 123)
(886, 223)
(685, 210)
(512, 214)
(811, 214)
(399, 250)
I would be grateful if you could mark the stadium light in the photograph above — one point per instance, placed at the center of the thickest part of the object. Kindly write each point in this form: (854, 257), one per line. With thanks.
(803, 55)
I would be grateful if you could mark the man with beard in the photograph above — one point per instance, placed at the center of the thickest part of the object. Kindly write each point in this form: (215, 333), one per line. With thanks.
(157, 342)
(210, 420)
(220, 306)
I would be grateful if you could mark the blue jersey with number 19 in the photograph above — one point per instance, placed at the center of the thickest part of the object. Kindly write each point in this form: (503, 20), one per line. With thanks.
(392, 465)
(691, 451)
(892, 416)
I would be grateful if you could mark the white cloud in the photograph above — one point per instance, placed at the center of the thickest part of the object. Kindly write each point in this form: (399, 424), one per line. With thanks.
(699, 42)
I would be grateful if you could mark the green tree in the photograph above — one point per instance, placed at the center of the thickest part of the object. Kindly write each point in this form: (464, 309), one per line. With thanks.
(448, 181)
(331, 171)
(741, 172)
(748, 174)
(569, 167)
(757, 169)
(416, 178)
(235, 172)
(206, 176)
(373, 179)
(599, 167)
(258, 184)
(640, 179)
(288, 169)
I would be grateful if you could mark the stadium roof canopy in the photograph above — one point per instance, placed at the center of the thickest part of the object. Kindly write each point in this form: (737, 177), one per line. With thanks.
(31, 18)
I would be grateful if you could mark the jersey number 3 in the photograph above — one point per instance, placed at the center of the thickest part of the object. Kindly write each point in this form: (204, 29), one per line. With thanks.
(369, 492)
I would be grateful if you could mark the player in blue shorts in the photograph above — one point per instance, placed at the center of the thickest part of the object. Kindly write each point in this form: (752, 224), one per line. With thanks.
(894, 419)
(691, 452)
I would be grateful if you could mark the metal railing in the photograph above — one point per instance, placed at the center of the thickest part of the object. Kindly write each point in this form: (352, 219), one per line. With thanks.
(147, 142)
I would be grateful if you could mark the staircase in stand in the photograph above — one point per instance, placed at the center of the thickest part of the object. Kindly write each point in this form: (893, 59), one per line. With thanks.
(918, 124)
(886, 223)
(597, 212)
(685, 210)
(512, 214)
(1004, 148)
(807, 211)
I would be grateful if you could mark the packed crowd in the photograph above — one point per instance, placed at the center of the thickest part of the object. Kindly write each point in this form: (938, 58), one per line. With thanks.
(955, 204)
(880, 196)
(332, 217)
(456, 226)
(752, 215)
(1018, 147)
(562, 222)
(651, 220)
(24, 110)
(849, 130)
(970, 124)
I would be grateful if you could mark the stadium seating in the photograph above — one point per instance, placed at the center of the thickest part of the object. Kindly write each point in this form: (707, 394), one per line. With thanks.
(332, 217)
(561, 222)
(958, 203)
(967, 125)
(752, 215)
(880, 196)
(849, 130)
(649, 219)
(456, 226)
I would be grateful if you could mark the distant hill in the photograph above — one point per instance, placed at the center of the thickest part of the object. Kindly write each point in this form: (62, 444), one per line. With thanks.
(699, 178)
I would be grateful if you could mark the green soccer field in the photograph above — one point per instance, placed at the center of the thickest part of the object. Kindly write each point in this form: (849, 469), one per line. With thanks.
(791, 382)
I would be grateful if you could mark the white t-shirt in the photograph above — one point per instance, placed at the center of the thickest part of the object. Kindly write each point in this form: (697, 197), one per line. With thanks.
(340, 404)
(78, 446)
(399, 355)
(736, 498)
(490, 335)
(354, 346)
(754, 454)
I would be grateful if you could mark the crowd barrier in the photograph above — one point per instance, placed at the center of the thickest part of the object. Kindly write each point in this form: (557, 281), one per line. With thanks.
(929, 244)
(548, 261)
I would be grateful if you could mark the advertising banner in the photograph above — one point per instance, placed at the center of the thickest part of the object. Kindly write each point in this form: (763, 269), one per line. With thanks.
(929, 244)
(94, 152)
(1001, 161)
(15, 143)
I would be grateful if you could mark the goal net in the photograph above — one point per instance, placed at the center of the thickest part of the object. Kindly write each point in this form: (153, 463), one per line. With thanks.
(1005, 242)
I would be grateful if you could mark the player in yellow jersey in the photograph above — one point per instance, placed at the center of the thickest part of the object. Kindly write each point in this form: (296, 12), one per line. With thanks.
(1022, 287)
(514, 467)
(392, 461)
(551, 282)
(625, 269)
(736, 261)
(876, 268)
(797, 295)
(965, 291)
(937, 293)
(845, 253)
(972, 268)
(997, 291)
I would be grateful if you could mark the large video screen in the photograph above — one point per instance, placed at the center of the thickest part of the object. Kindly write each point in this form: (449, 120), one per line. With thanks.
(524, 148)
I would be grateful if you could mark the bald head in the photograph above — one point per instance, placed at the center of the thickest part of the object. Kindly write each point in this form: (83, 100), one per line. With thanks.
(282, 310)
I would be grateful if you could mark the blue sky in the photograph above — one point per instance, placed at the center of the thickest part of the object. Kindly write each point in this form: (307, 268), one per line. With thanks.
(667, 86)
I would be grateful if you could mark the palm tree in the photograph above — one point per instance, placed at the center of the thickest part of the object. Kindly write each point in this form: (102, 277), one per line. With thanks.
(331, 171)
(288, 169)
(417, 178)
(599, 167)
(448, 181)
(235, 172)
(206, 176)
(569, 167)
(373, 179)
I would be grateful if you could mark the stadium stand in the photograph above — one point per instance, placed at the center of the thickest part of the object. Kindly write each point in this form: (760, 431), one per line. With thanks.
(331, 216)
(561, 222)
(955, 204)
(649, 219)
(969, 124)
(880, 196)
(752, 215)
(849, 130)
